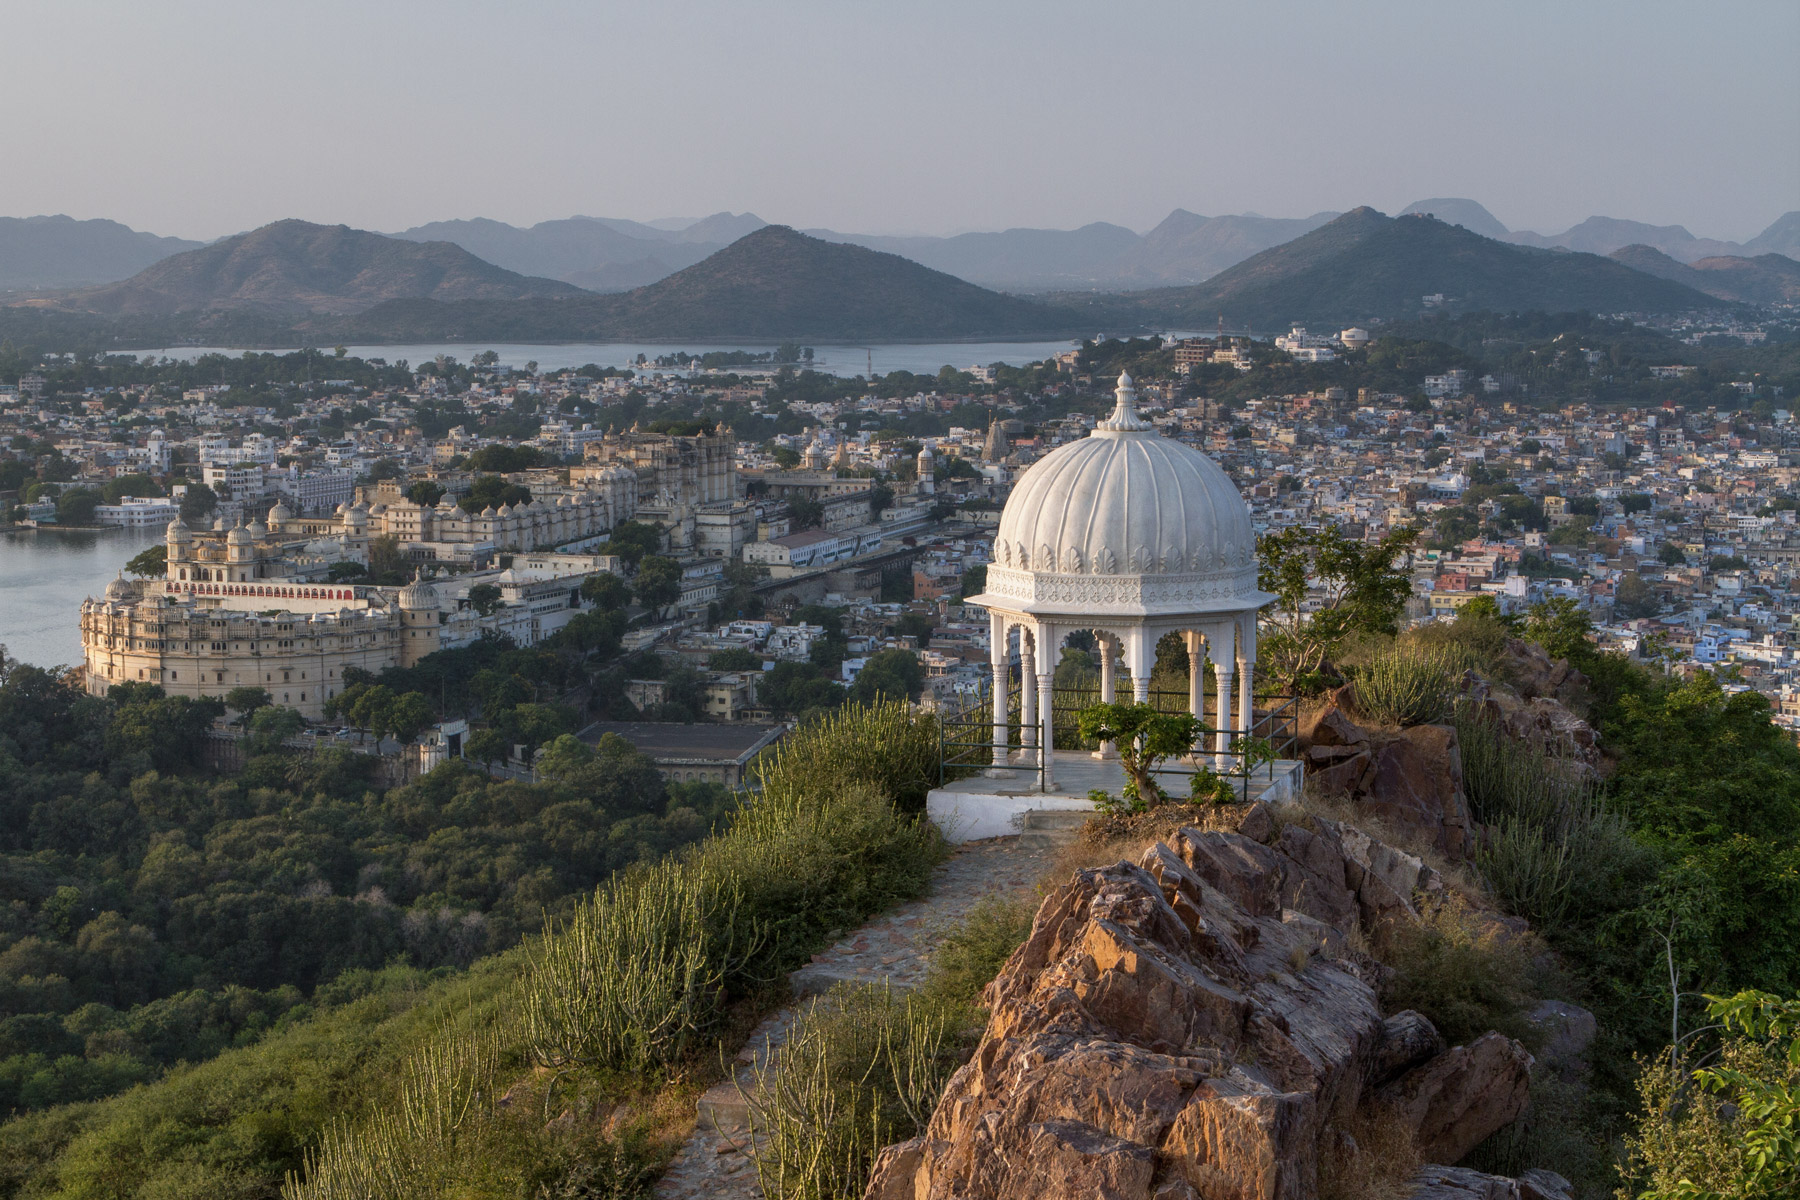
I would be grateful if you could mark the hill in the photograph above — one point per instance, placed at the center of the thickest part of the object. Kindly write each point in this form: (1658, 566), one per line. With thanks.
(771, 284)
(1603, 235)
(1781, 237)
(295, 266)
(596, 253)
(1365, 265)
(61, 252)
(1467, 213)
(1765, 279)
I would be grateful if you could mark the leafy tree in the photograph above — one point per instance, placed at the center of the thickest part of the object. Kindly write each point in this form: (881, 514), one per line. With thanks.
(786, 457)
(631, 541)
(425, 492)
(198, 502)
(487, 747)
(974, 581)
(344, 571)
(657, 583)
(410, 716)
(1327, 587)
(914, 625)
(150, 564)
(888, 675)
(881, 497)
(1728, 562)
(246, 700)
(271, 725)
(606, 591)
(1672, 555)
(486, 599)
(76, 506)
(1636, 502)
(734, 659)
(1144, 737)
(1729, 1128)
(805, 513)
(504, 460)
(492, 491)
(1634, 598)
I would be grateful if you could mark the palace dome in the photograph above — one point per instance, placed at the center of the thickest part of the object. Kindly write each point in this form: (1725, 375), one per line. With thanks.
(1159, 517)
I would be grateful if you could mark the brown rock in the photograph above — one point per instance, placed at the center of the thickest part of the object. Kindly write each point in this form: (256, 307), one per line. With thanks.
(1407, 1039)
(1538, 1184)
(1331, 726)
(1066, 1158)
(1455, 1183)
(1415, 784)
(895, 1170)
(1257, 823)
(1457, 1099)
(1236, 1142)
(1342, 777)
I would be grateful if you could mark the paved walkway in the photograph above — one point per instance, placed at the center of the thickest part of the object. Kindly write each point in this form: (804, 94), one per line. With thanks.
(894, 947)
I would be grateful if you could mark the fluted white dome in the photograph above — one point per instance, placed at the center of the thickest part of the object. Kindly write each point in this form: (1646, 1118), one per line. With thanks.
(1126, 520)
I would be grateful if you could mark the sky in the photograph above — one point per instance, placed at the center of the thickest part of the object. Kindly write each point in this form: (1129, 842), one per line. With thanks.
(202, 119)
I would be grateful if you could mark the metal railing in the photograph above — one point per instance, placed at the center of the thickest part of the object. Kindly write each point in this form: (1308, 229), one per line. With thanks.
(967, 741)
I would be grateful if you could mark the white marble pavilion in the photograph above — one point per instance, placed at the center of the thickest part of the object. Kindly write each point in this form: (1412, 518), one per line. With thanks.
(1133, 536)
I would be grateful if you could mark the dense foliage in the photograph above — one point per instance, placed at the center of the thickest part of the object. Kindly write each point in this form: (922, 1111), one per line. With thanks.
(154, 912)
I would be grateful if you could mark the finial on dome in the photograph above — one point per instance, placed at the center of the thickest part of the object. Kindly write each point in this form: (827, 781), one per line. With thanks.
(1125, 417)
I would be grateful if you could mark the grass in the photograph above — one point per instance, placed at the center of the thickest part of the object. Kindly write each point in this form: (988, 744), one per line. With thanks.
(1466, 973)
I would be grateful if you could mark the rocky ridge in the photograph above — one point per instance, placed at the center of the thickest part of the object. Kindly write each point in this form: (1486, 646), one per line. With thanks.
(1202, 1024)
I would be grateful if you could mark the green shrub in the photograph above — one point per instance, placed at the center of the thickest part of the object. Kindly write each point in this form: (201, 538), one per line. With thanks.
(1466, 974)
(888, 744)
(861, 1069)
(969, 956)
(1410, 685)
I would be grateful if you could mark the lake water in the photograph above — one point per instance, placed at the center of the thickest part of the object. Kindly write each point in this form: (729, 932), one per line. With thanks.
(44, 577)
(921, 359)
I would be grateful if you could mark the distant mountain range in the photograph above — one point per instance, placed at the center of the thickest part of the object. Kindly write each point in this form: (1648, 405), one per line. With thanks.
(294, 281)
(1604, 235)
(612, 255)
(61, 252)
(1765, 279)
(298, 267)
(772, 284)
(1365, 266)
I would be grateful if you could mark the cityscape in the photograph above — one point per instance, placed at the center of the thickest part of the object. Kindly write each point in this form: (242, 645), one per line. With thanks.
(1204, 613)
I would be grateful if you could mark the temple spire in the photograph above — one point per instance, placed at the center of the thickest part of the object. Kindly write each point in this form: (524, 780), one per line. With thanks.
(1125, 417)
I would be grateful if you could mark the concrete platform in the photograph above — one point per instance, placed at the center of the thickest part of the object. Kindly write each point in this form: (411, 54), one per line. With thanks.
(999, 804)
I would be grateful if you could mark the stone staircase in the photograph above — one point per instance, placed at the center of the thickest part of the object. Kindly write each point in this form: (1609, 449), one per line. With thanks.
(1050, 829)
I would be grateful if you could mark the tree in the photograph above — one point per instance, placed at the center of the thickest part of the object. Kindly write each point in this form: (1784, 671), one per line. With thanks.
(735, 659)
(914, 625)
(881, 497)
(786, 457)
(1144, 737)
(410, 716)
(487, 747)
(805, 513)
(1634, 598)
(151, 564)
(631, 541)
(974, 581)
(425, 492)
(76, 506)
(271, 725)
(1327, 587)
(1672, 555)
(486, 599)
(888, 675)
(246, 700)
(492, 491)
(606, 591)
(344, 570)
(657, 583)
(198, 502)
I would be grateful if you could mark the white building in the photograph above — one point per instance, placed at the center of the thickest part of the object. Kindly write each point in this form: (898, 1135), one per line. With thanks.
(138, 512)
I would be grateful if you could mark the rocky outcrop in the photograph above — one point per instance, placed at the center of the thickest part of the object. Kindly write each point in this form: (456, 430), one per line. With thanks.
(1537, 719)
(1411, 778)
(1192, 1026)
(1454, 1183)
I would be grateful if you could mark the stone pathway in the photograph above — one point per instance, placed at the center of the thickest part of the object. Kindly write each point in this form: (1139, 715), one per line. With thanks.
(894, 947)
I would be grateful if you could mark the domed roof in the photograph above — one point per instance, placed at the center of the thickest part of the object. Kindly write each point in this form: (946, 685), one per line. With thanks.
(121, 588)
(178, 531)
(418, 594)
(239, 536)
(281, 512)
(1126, 519)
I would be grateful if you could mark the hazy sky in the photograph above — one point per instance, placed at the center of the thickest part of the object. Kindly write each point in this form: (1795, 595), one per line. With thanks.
(201, 119)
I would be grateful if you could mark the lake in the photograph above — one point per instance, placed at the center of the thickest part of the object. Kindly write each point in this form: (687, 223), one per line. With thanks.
(925, 358)
(44, 577)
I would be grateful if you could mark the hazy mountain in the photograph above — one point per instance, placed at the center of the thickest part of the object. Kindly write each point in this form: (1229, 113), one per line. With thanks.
(585, 251)
(1603, 235)
(1366, 265)
(1782, 237)
(61, 252)
(1765, 279)
(771, 284)
(1188, 248)
(1467, 213)
(297, 266)
(1017, 258)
